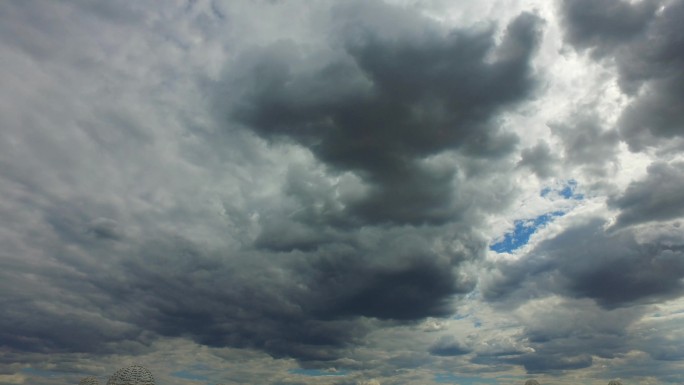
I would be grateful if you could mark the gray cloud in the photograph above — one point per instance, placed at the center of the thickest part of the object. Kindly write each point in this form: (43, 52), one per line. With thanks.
(585, 143)
(567, 334)
(602, 26)
(550, 362)
(646, 46)
(374, 106)
(268, 186)
(448, 346)
(539, 159)
(341, 244)
(586, 296)
(585, 262)
(656, 198)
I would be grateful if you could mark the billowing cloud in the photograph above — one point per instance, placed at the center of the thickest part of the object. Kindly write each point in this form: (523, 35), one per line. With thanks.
(375, 110)
(586, 144)
(392, 95)
(539, 160)
(586, 297)
(449, 347)
(645, 42)
(602, 26)
(378, 192)
(656, 198)
(615, 270)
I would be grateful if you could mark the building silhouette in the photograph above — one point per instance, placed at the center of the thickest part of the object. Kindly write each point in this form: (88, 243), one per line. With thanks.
(132, 375)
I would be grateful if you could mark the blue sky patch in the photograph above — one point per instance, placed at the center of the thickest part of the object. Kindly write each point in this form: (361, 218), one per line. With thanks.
(522, 232)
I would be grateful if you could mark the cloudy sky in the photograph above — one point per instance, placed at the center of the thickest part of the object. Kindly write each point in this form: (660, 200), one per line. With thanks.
(353, 192)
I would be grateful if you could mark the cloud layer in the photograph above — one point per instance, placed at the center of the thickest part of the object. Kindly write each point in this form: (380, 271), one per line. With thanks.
(294, 192)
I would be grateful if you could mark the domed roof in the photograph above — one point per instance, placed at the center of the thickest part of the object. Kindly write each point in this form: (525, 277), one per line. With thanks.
(132, 375)
(531, 382)
(89, 381)
(614, 382)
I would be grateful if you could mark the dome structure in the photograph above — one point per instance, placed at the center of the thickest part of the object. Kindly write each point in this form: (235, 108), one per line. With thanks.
(132, 375)
(531, 382)
(89, 381)
(614, 382)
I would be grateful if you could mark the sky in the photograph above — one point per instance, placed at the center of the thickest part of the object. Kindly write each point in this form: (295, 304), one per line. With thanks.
(353, 192)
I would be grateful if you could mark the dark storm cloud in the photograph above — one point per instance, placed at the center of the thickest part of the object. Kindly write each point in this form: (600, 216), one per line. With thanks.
(603, 25)
(658, 197)
(165, 288)
(414, 288)
(539, 160)
(115, 254)
(374, 106)
(59, 296)
(448, 346)
(647, 46)
(394, 95)
(585, 262)
(662, 348)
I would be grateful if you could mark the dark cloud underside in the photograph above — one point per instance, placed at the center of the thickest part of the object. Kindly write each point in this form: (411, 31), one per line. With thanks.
(613, 269)
(262, 185)
(375, 103)
(382, 104)
(656, 198)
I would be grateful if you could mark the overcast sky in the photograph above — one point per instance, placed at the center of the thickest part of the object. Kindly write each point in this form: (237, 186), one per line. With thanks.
(353, 192)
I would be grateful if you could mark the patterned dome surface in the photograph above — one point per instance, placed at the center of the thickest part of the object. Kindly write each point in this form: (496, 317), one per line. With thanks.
(89, 381)
(614, 382)
(132, 375)
(531, 382)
